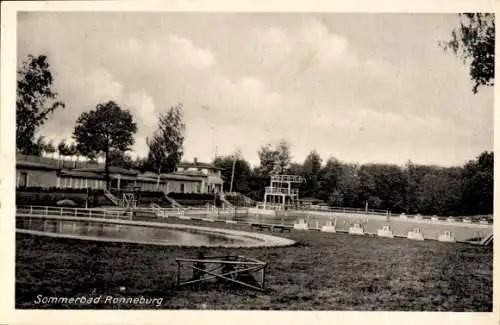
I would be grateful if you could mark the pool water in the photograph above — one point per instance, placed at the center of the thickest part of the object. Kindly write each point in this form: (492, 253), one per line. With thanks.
(135, 233)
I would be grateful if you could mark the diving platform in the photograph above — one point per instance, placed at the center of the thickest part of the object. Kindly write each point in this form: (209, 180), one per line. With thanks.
(281, 194)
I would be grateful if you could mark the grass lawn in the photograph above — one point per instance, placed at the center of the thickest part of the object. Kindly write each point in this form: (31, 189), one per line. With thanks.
(321, 272)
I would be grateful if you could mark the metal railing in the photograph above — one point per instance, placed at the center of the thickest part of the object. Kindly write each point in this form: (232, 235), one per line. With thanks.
(281, 190)
(287, 178)
(345, 210)
(74, 212)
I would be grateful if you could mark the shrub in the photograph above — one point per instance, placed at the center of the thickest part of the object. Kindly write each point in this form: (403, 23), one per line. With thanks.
(50, 196)
(191, 196)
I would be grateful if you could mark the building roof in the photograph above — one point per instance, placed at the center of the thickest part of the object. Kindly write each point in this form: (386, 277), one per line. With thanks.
(198, 165)
(147, 178)
(192, 173)
(180, 177)
(77, 173)
(59, 163)
(35, 165)
(112, 170)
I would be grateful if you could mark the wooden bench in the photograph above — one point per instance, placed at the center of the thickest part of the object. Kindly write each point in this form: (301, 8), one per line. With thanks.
(271, 227)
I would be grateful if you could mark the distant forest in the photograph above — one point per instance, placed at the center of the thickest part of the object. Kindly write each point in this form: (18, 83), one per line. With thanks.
(428, 190)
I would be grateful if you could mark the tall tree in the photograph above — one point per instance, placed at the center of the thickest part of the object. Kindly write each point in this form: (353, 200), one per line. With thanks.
(478, 185)
(242, 172)
(329, 184)
(275, 160)
(267, 158)
(311, 169)
(35, 101)
(349, 185)
(283, 157)
(107, 128)
(166, 144)
(474, 42)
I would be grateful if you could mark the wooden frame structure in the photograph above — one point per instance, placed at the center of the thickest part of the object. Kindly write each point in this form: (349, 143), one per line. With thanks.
(231, 269)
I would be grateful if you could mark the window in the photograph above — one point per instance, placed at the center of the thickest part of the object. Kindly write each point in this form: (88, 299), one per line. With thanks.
(23, 179)
(182, 187)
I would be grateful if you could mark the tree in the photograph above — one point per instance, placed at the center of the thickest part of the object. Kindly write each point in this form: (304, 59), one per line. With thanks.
(242, 172)
(311, 169)
(474, 42)
(275, 161)
(72, 150)
(62, 149)
(283, 157)
(329, 184)
(107, 128)
(50, 148)
(266, 156)
(34, 103)
(349, 185)
(121, 159)
(39, 146)
(478, 181)
(166, 145)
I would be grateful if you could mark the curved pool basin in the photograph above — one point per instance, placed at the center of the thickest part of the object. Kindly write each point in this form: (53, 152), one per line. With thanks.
(155, 233)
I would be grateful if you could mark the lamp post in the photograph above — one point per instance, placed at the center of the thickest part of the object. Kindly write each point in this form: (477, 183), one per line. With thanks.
(232, 175)
(158, 180)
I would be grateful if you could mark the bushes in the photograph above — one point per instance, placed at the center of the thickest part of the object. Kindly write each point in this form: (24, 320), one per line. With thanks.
(191, 196)
(195, 199)
(48, 199)
(147, 200)
(50, 196)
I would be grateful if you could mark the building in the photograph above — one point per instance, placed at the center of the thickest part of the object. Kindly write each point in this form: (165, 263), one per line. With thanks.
(32, 171)
(210, 175)
(35, 174)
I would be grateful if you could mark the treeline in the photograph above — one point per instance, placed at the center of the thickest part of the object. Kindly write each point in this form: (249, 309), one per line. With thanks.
(412, 188)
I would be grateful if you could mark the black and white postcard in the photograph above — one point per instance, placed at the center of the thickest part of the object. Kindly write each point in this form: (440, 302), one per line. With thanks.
(206, 162)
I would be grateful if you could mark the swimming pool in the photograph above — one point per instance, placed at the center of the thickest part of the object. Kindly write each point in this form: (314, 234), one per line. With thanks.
(143, 232)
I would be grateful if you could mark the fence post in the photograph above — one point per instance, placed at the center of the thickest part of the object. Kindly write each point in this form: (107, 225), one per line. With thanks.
(90, 213)
(76, 212)
(31, 209)
(46, 211)
(61, 212)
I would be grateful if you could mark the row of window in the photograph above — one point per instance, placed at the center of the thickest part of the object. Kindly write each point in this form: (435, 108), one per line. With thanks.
(73, 182)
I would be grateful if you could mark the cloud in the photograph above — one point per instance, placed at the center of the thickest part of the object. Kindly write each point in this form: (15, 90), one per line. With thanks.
(173, 50)
(143, 107)
(100, 86)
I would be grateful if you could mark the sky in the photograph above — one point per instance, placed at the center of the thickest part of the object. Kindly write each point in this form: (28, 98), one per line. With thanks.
(366, 88)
